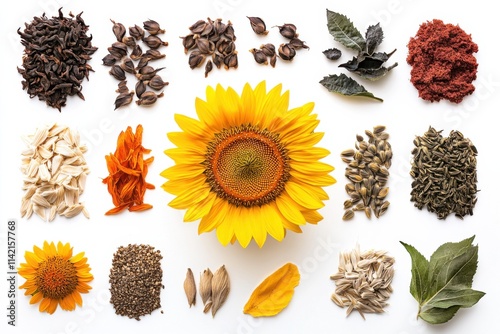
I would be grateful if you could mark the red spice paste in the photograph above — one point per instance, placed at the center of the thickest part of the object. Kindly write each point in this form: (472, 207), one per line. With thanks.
(442, 60)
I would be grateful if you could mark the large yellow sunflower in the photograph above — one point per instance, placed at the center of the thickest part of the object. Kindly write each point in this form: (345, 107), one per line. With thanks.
(249, 165)
(55, 277)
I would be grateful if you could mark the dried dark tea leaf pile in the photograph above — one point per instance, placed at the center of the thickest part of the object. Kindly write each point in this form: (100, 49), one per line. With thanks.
(368, 173)
(444, 174)
(367, 64)
(55, 60)
(137, 62)
(211, 43)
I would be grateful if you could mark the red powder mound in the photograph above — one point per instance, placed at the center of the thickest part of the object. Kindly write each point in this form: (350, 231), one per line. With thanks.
(442, 60)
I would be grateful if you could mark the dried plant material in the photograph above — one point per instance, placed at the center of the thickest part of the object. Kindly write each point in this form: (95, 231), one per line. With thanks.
(54, 173)
(443, 284)
(190, 288)
(274, 293)
(206, 289)
(128, 169)
(363, 281)
(220, 288)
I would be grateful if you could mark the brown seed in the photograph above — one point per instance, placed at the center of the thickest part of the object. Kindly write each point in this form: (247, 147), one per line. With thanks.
(154, 42)
(117, 72)
(208, 67)
(129, 41)
(259, 56)
(109, 60)
(348, 214)
(122, 87)
(190, 288)
(118, 30)
(196, 59)
(268, 49)
(258, 25)
(220, 288)
(298, 44)
(148, 98)
(154, 54)
(140, 88)
(123, 99)
(136, 32)
(273, 60)
(153, 27)
(136, 53)
(118, 50)
(157, 83)
(128, 65)
(188, 42)
(286, 52)
(288, 30)
(231, 61)
(206, 289)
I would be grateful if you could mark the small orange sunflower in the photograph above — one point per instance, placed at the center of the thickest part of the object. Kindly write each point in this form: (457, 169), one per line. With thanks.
(249, 166)
(55, 277)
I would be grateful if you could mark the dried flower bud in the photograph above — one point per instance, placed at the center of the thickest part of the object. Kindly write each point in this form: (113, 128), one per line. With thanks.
(117, 72)
(136, 52)
(288, 30)
(258, 25)
(259, 56)
(136, 32)
(122, 87)
(332, 54)
(128, 65)
(286, 52)
(154, 54)
(208, 67)
(118, 30)
(148, 72)
(196, 59)
(273, 60)
(153, 27)
(218, 60)
(231, 61)
(123, 99)
(154, 42)
(157, 83)
(143, 61)
(268, 49)
(298, 44)
(140, 88)
(205, 46)
(129, 41)
(118, 50)
(188, 42)
(229, 32)
(198, 27)
(219, 27)
(109, 60)
(148, 98)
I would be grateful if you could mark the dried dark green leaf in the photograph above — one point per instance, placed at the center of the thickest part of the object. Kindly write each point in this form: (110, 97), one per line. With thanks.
(344, 85)
(369, 66)
(332, 54)
(344, 32)
(374, 36)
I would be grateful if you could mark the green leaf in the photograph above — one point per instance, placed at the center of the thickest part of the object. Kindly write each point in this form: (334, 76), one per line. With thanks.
(438, 315)
(374, 36)
(344, 85)
(447, 288)
(465, 297)
(419, 271)
(344, 32)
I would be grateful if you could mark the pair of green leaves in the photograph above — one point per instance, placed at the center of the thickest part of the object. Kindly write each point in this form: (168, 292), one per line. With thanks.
(368, 64)
(442, 285)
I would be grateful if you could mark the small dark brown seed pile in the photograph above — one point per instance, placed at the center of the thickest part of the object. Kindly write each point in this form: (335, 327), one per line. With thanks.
(137, 62)
(56, 52)
(368, 173)
(286, 51)
(444, 173)
(136, 280)
(211, 43)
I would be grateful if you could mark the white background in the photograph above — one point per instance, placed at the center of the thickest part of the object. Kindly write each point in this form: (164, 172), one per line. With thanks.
(316, 250)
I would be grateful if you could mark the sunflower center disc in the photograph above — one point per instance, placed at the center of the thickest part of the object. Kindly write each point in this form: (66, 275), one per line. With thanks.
(56, 278)
(247, 166)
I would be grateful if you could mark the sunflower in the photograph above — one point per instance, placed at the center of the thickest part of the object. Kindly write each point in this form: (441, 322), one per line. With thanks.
(55, 277)
(248, 166)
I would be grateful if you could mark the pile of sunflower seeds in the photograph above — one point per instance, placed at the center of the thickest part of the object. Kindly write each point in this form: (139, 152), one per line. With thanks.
(136, 62)
(136, 280)
(444, 174)
(363, 281)
(368, 173)
(212, 40)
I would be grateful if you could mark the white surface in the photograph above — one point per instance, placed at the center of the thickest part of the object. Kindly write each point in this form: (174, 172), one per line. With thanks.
(316, 250)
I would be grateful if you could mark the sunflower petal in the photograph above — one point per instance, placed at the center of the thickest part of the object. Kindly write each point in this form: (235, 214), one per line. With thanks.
(37, 297)
(272, 221)
(77, 298)
(52, 306)
(215, 217)
(44, 304)
(200, 209)
(289, 209)
(241, 218)
(258, 229)
(301, 196)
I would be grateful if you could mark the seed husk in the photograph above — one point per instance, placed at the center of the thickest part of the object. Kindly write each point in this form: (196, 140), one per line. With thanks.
(117, 72)
(190, 288)
(286, 52)
(153, 27)
(288, 30)
(148, 98)
(206, 289)
(136, 32)
(154, 42)
(208, 67)
(298, 44)
(118, 30)
(157, 83)
(220, 288)
(268, 49)
(259, 56)
(258, 25)
(140, 88)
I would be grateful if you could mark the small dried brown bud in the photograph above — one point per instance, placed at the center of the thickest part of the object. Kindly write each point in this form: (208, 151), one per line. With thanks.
(136, 32)
(229, 32)
(157, 83)
(268, 49)
(153, 27)
(129, 41)
(273, 60)
(136, 52)
(205, 46)
(122, 87)
(143, 62)
(148, 72)
(258, 25)
(259, 56)
(198, 27)
(298, 44)
(288, 30)
(140, 88)
(154, 54)
(118, 50)
(128, 65)
(117, 72)
(196, 59)
(109, 60)
(154, 42)
(218, 60)
(286, 52)
(188, 42)
(123, 99)
(118, 30)
(208, 67)
(148, 98)
(231, 61)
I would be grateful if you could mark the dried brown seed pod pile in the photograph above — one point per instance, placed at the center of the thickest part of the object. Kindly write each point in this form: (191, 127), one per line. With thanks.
(211, 43)
(368, 173)
(136, 62)
(55, 60)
